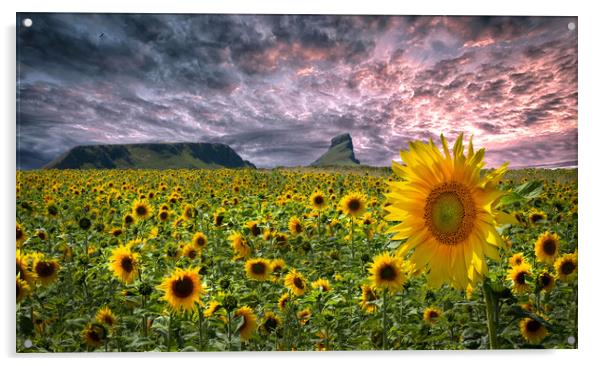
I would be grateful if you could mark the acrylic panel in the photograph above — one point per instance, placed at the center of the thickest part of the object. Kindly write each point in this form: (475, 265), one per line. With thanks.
(224, 182)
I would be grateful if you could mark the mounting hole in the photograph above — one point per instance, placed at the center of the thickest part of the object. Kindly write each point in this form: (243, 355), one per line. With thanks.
(27, 343)
(570, 340)
(27, 22)
(571, 26)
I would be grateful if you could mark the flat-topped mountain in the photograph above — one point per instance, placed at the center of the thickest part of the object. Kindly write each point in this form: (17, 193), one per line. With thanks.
(340, 152)
(150, 156)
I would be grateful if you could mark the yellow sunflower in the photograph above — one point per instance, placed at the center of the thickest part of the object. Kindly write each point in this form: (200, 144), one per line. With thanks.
(182, 289)
(537, 216)
(239, 245)
(106, 316)
(532, 330)
(547, 247)
(566, 267)
(258, 269)
(283, 300)
(304, 316)
(270, 322)
(21, 236)
(249, 324)
(431, 315)
(212, 308)
(516, 259)
(321, 284)
(447, 211)
(295, 282)
(295, 226)
(94, 335)
(253, 227)
(46, 270)
(545, 281)
(163, 215)
(277, 265)
(353, 204)
(23, 270)
(191, 251)
(124, 263)
(387, 272)
(199, 240)
(23, 289)
(141, 209)
(368, 296)
(128, 220)
(318, 200)
(518, 275)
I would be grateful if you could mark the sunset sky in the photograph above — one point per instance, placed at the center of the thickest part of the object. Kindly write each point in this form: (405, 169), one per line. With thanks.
(278, 88)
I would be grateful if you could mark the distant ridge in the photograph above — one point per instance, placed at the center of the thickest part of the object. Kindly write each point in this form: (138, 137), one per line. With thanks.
(339, 153)
(150, 156)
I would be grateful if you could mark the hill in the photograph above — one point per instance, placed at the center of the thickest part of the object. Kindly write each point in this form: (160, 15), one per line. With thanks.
(150, 156)
(339, 153)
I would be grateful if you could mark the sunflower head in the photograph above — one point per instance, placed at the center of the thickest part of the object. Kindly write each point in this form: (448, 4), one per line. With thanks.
(545, 281)
(141, 209)
(94, 335)
(537, 216)
(519, 275)
(321, 284)
(516, 260)
(431, 315)
(23, 271)
(211, 308)
(304, 315)
(353, 204)
(295, 282)
(23, 289)
(21, 236)
(253, 227)
(46, 270)
(318, 200)
(258, 269)
(270, 322)
(199, 240)
(249, 323)
(566, 267)
(387, 272)
(124, 263)
(547, 247)
(128, 219)
(447, 211)
(182, 289)
(295, 226)
(283, 301)
(369, 295)
(106, 316)
(239, 245)
(532, 330)
(191, 251)
(277, 265)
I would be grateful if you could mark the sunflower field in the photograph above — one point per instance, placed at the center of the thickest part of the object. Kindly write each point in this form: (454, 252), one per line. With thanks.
(297, 259)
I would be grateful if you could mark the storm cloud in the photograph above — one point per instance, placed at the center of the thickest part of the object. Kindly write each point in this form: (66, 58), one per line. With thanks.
(277, 88)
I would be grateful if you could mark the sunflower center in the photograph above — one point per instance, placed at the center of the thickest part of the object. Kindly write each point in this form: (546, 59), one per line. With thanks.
(44, 269)
(141, 210)
(271, 324)
(521, 278)
(19, 233)
(567, 268)
(354, 205)
(549, 246)
(182, 287)
(450, 213)
(388, 273)
(318, 200)
(545, 280)
(533, 326)
(433, 314)
(94, 336)
(299, 283)
(127, 264)
(258, 268)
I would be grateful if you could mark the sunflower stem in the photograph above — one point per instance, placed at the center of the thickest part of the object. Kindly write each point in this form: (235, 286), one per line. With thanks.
(352, 244)
(491, 308)
(169, 333)
(229, 332)
(385, 338)
(201, 341)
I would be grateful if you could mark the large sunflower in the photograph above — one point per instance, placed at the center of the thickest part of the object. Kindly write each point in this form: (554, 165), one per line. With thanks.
(258, 269)
(46, 270)
(353, 204)
(295, 282)
(387, 272)
(566, 267)
(182, 289)
(124, 263)
(249, 324)
(547, 247)
(447, 211)
(532, 330)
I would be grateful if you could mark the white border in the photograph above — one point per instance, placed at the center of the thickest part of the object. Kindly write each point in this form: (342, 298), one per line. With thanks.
(589, 129)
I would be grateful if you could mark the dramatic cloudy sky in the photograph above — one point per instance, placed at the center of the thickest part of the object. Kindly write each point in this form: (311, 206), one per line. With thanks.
(278, 88)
